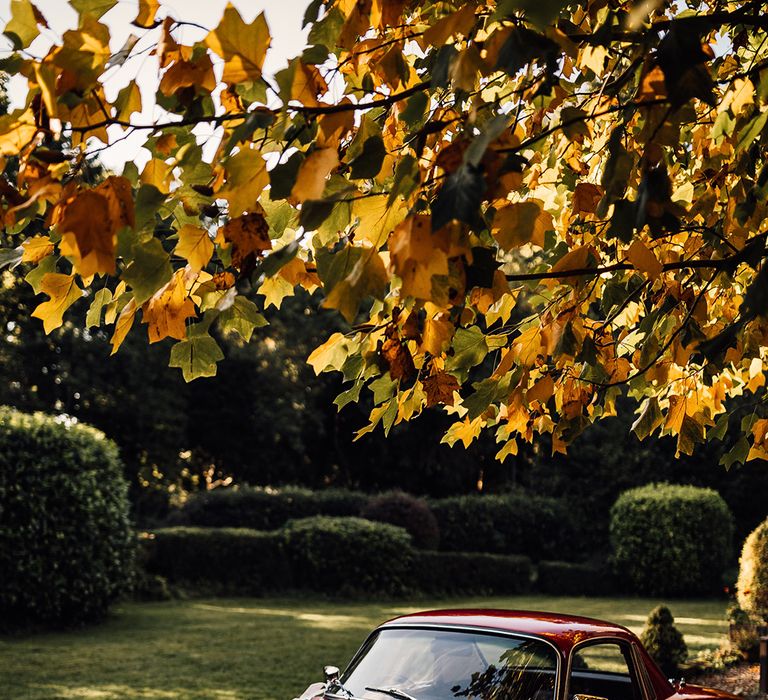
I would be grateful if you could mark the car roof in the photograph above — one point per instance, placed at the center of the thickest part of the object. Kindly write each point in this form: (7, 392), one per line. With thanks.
(563, 630)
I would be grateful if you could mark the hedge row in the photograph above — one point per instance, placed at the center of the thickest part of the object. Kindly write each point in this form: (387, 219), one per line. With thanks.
(265, 509)
(514, 523)
(344, 556)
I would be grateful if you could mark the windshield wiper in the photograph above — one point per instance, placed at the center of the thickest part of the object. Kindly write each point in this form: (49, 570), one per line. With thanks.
(393, 692)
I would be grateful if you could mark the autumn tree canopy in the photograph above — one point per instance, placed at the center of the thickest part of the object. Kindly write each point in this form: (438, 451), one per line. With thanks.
(523, 209)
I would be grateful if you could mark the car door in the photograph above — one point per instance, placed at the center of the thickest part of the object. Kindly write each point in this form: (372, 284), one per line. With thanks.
(605, 669)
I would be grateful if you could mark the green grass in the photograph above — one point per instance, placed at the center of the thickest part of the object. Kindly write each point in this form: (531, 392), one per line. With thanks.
(255, 649)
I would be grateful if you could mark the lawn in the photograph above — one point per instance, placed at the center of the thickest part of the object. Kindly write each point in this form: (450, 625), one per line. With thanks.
(254, 649)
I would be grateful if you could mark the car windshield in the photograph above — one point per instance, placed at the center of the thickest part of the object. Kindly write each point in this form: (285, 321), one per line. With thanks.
(431, 664)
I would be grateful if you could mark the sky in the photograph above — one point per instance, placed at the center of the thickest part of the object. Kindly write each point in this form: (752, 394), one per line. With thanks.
(284, 18)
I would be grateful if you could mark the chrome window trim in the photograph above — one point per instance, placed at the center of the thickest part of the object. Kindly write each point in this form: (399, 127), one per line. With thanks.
(608, 639)
(463, 628)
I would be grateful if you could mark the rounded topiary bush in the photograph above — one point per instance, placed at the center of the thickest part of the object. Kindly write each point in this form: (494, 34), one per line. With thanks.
(752, 586)
(663, 641)
(66, 544)
(349, 555)
(406, 511)
(671, 540)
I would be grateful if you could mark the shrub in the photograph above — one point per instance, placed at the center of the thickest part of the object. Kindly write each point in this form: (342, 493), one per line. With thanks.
(663, 641)
(406, 511)
(471, 573)
(514, 523)
(671, 540)
(265, 509)
(348, 555)
(752, 586)
(566, 578)
(225, 560)
(66, 546)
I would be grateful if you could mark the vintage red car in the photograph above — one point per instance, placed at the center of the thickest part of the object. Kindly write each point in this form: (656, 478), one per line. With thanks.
(502, 655)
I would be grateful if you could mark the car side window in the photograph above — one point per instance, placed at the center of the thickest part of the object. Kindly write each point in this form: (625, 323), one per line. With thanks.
(603, 671)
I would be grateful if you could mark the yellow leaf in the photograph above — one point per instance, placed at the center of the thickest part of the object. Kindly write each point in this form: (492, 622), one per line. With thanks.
(527, 346)
(123, 325)
(88, 235)
(377, 219)
(308, 84)
(246, 179)
(157, 173)
(17, 130)
(63, 292)
(195, 245)
(743, 95)
(510, 448)
(437, 334)
(519, 223)
(593, 57)
(37, 248)
(242, 46)
(460, 22)
(313, 173)
(644, 259)
(465, 430)
(275, 289)
(675, 414)
(128, 101)
(168, 309)
(147, 11)
(575, 259)
(417, 256)
(182, 74)
(331, 354)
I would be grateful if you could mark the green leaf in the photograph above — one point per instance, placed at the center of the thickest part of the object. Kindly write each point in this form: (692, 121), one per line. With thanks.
(148, 200)
(283, 177)
(737, 455)
(100, 300)
(351, 395)
(407, 178)
(649, 420)
(459, 198)
(11, 257)
(241, 318)
(720, 428)
(95, 8)
(415, 107)
(382, 388)
(35, 277)
(196, 357)
(469, 349)
(751, 131)
(495, 128)
(22, 28)
(149, 270)
(368, 164)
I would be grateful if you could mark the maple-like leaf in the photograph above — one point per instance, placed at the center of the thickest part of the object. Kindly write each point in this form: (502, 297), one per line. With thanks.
(168, 309)
(195, 245)
(313, 172)
(246, 179)
(88, 234)
(248, 235)
(242, 46)
(440, 387)
(63, 292)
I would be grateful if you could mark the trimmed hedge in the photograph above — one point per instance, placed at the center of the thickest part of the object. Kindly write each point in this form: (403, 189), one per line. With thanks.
(671, 540)
(406, 511)
(226, 560)
(752, 586)
(516, 523)
(265, 509)
(567, 578)
(66, 544)
(349, 555)
(471, 573)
